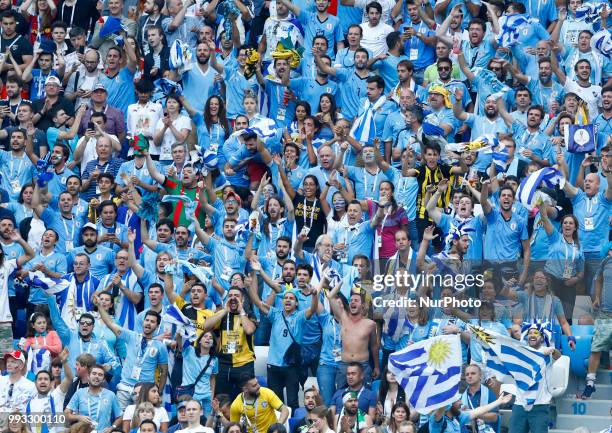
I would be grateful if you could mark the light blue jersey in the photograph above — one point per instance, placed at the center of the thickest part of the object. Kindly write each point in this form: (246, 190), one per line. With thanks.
(503, 238)
(102, 408)
(143, 358)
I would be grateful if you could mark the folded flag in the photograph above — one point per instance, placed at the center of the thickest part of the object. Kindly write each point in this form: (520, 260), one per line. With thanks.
(547, 176)
(202, 273)
(456, 232)
(181, 56)
(589, 12)
(601, 42)
(513, 362)
(264, 128)
(50, 286)
(185, 327)
(510, 26)
(500, 158)
(429, 371)
(431, 129)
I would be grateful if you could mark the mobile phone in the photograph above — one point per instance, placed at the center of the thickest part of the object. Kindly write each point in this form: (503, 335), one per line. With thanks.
(595, 159)
(81, 50)
(90, 125)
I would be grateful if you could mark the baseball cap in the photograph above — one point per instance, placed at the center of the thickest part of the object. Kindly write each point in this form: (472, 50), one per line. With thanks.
(234, 195)
(99, 86)
(89, 226)
(15, 354)
(181, 405)
(52, 79)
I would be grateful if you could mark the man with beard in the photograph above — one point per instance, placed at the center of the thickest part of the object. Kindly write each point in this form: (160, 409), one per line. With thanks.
(199, 81)
(488, 123)
(441, 113)
(123, 286)
(463, 215)
(227, 254)
(155, 301)
(444, 67)
(80, 207)
(602, 123)
(478, 49)
(59, 156)
(532, 144)
(15, 166)
(145, 354)
(366, 179)
(234, 329)
(506, 231)
(273, 264)
(600, 69)
(50, 401)
(82, 78)
(535, 419)
(522, 101)
(544, 90)
(453, 419)
(64, 222)
(95, 405)
(100, 257)
(8, 112)
(352, 81)
(288, 325)
(51, 263)
(359, 338)
(581, 85)
(311, 400)
(81, 340)
(351, 417)
(256, 407)
(320, 259)
(187, 187)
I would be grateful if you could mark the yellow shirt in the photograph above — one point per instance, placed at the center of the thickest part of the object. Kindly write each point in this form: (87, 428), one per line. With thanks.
(261, 412)
(196, 315)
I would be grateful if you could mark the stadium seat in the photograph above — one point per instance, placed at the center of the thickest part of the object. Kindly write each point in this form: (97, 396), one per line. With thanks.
(376, 386)
(579, 358)
(261, 360)
(560, 376)
(300, 413)
(293, 422)
(582, 330)
(262, 381)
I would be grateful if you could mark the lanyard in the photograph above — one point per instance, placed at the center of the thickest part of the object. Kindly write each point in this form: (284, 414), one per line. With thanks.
(589, 206)
(105, 166)
(217, 127)
(365, 181)
(12, 173)
(565, 243)
(81, 346)
(253, 425)
(89, 409)
(128, 216)
(13, 43)
(71, 15)
(312, 212)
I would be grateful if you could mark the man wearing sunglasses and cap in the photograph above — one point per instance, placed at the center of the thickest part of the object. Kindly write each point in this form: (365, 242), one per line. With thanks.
(15, 389)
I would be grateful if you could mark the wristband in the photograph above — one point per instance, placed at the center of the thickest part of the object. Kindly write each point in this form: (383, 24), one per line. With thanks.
(572, 339)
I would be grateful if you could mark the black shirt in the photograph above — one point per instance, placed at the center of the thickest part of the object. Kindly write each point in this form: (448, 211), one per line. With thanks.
(313, 217)
(19, 45)
(85, 14)
(149, 63)
(46, 120)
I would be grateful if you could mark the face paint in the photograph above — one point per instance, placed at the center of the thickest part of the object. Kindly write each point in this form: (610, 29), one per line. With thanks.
(339, 204)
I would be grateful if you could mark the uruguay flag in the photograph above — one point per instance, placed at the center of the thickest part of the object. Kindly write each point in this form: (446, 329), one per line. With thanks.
(184, 326)
(429, 371)
(547, 176)
(50, 286)
(513, 362)
(510, 26)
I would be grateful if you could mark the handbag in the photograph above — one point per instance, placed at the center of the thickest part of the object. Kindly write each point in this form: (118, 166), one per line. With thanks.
(293, 354)
(190, 389)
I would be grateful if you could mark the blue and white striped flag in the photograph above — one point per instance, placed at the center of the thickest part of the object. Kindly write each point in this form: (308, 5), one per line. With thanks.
(364, 128)
(510, 26)
(547, 176)
(500, 158)
(264, 128)
(429, 371)
(589, 12)
(513, 362)
(202, 273)
(601, 42)
(50, 286)
(185, 327)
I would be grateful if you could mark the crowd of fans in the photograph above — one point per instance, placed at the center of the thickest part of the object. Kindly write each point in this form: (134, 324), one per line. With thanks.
(262, 166)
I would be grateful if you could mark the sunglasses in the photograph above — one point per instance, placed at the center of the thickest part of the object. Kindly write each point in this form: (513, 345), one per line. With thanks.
(444, 68)
(86, 323)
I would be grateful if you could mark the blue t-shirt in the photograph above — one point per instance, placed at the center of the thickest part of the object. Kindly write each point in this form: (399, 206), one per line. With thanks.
(140, 363)
(102, 408)
(358, 239)
(366, 399)
(310, 90)
(593, 221)
(419, 53)
(352, 90)
(15, 173)
(387, 68)
(228, 258)
(101, 260)
(330, 28)
(120, 89)
(564, 260)
(503, 238)
(55, 262)
(198, 86)
(280, 338)
(193, 366)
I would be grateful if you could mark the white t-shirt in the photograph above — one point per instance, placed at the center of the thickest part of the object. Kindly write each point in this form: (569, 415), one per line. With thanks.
(42, 405)
(198, 429)
(387, 7)
(141, 119)
(160, 414)
(22, 390)
(591, 95)
(165, 149)
(375, 38)
(6, 270)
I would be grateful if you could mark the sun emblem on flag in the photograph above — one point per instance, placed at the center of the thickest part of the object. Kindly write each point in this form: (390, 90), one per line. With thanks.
(439, 352)
(482, 335)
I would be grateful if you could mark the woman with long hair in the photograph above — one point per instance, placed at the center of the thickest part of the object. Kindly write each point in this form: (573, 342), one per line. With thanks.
(565, 264)
(103, 332)
(389, 394)
(295, 128)
(200, 367)
(149, 392)
(42, 343)
(40, 14)
(144, 411)
(399, 413)
(328, 115)
(336, 219)
(212, 126)
(310, 207)
(22, 208)
(322, 420)
(173, 128)
(233, 427)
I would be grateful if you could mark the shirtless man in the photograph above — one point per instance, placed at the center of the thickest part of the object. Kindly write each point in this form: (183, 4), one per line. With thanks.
(359, 338)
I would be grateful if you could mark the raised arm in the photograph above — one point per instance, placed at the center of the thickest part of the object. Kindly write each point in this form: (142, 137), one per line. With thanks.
(132, 262)
(29, 252)
(107, 319)
(520, 77)
(463, 64)
(329, 70)
(297, 248)
(153, 171)
(458, 110)
(432, 204)
(503, 112)
(484, 197)
(255, 299)
(481, 410)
